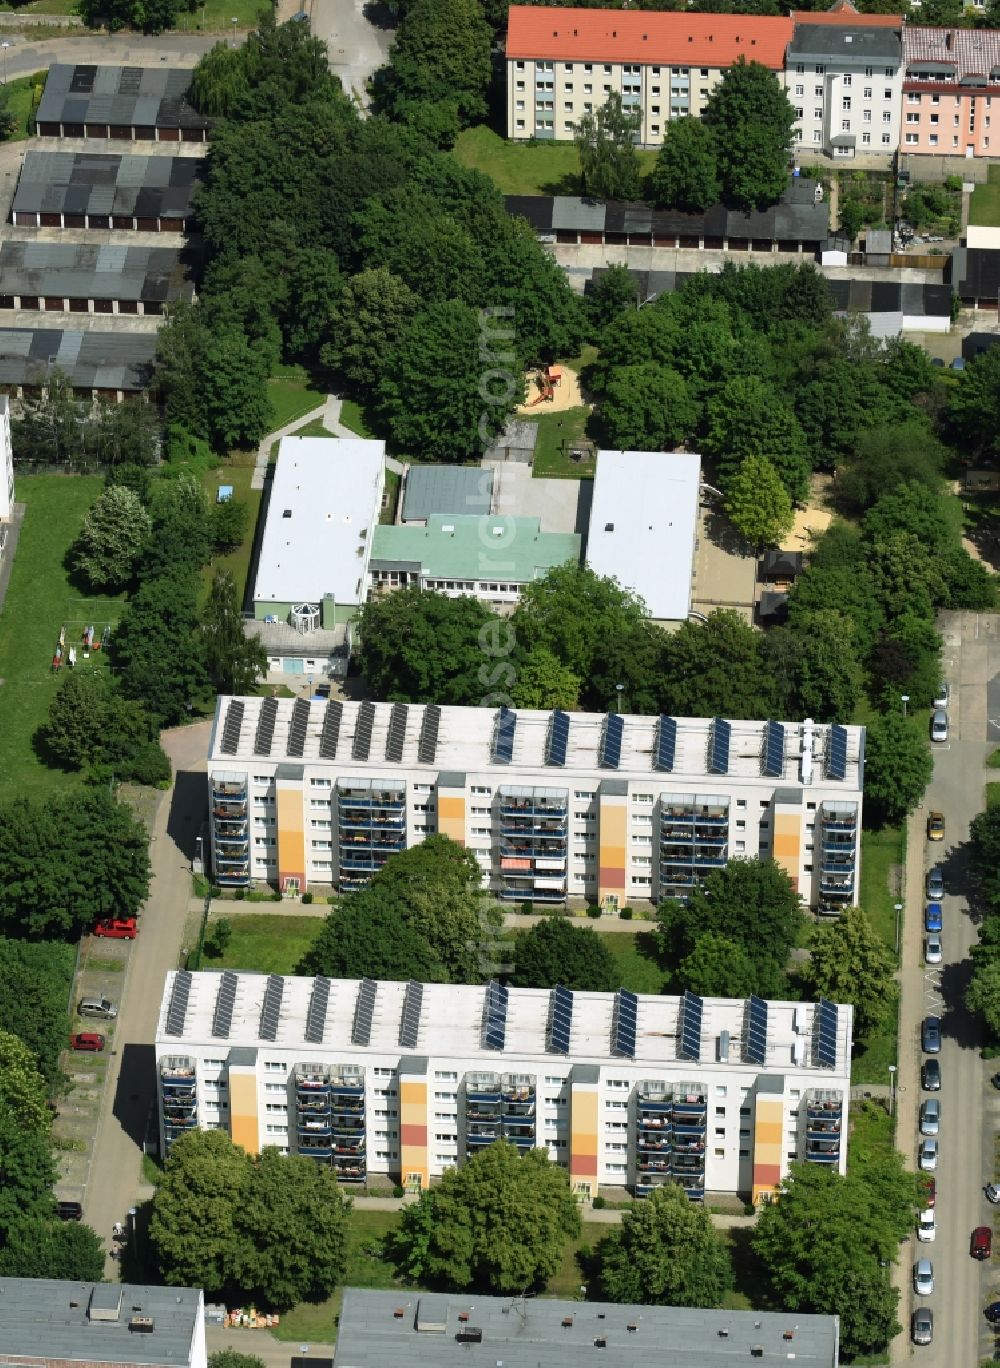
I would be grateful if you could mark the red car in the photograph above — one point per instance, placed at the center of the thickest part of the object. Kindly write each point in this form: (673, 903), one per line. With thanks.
(118, 928)
(87, 1040)
(981, 1246)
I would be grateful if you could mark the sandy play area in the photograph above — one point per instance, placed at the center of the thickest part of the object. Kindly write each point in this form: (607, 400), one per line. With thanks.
(813, 520)
(565, 395)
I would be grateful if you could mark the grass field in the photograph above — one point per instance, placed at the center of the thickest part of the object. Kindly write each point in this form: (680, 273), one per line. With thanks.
(984, 206)
(993, 795)
(22, 101)
(882, 856)
(543, 168)
(265, 943)
(238, 561)
(40, 599)
(558, 434)
(352, 417)
(313, 429)
(214, 16)
(292, 396)
(635, 959)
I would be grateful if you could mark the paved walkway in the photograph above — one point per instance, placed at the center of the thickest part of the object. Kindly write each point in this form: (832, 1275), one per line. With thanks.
(328, 413)
(295, 907)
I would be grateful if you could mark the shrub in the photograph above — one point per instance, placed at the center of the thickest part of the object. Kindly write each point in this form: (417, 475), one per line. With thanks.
(626, 914)
(306, 899)
(599, 1203)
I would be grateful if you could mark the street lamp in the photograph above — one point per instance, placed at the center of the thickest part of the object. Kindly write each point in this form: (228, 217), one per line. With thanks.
(3, 47)
(892, 1088)
(899, 908)
(618, 700)
(906, 699)
(235, 21)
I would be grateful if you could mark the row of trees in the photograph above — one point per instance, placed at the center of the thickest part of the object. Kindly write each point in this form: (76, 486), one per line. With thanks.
(58, 428)
(983, 993)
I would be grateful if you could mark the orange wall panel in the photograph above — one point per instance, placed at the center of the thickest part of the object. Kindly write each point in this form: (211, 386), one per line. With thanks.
(244, 1123)
(451, 816)
(768, 1140)
(291, 832)
(612, 820)
(583, 1137)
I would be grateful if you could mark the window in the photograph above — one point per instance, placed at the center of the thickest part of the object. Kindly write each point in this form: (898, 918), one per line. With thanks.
(519, 66)
(798, 112)
(799, 69)
(818, 92)
(845, 102)
(888, 94)
(887, 116)
(867, 93)
(800, 90)
(817, 113)
(913, 118)
(567, 66)
(890, 72)
(886, 139)
(913, 99)
(866, 116)
(447, 1076)
(934, 118)
(820, 70)
(869, 71)
(932, 140)
(275, 1066)
(847, 80)
(866, 139)
(720, 1111)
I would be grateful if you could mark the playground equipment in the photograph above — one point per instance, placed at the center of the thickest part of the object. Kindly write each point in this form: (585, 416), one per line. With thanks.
(547, 380)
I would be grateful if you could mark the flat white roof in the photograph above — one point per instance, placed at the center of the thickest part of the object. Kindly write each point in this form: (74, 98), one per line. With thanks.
(452, 1016)
(643, 525)
(324, 502)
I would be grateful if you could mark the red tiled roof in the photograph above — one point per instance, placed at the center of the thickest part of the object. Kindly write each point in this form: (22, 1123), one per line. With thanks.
(843, 12)
(969, 52)
(586, 35)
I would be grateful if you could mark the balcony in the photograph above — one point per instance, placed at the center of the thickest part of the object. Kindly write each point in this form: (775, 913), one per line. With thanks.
(482, 1135)
(229, 788)
(320, 1125)
(550, 809)
(711, 817)
(647, 1182)
(532, 892)
(365, 799)
(351, 1173)
(376, 819)
(311, 1151)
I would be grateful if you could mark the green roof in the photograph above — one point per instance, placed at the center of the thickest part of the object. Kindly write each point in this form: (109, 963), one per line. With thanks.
(460, 547)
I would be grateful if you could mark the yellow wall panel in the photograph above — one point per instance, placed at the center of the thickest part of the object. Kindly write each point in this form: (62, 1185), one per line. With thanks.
(291, 833)
(244, 1124)
(451, 816)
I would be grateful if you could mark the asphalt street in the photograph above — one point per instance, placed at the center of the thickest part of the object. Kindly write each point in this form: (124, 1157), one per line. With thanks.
(970, 1111)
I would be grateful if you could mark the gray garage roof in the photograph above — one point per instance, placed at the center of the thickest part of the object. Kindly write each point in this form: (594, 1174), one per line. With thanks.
(446, 489)
(378, 1329)
(100, 183)
(87, 1323)
(846, 44)
(68, 270)
(91, 359)
(146, 96)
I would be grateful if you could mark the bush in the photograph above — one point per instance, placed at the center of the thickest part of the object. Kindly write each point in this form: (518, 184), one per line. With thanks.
(398, 1191)
(626, 914)
(306, 899)
(599, 1203)
(594, 912)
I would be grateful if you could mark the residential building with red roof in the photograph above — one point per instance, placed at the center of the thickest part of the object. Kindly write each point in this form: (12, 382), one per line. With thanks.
(843, 12)
(563, 63)
(951, 92)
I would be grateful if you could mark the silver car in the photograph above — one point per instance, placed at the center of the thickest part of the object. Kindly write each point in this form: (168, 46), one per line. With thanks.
(928, 1155)
(939, 725)
(923, 1277)
(930, 1116)
(923, 1325)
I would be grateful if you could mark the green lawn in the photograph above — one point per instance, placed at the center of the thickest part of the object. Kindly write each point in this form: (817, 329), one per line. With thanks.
(390, 497)
(263, 942)
(543, 168)
(238, 561)
(992, 795)
(882, 856)
(315, 1322)
(635, 959)
(352, 416)
(292, 396)
(558, 434)
(313, 429)
(23, 96)
(984, 207)
(40, 600)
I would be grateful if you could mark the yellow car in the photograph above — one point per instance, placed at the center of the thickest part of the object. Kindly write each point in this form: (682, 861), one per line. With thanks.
(935, 826)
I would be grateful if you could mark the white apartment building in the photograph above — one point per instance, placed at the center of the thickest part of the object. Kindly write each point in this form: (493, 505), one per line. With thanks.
(407, 1080)
(607, 808)
(845, 83)
(564, 63)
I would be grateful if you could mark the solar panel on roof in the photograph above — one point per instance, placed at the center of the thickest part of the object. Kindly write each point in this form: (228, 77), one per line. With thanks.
(611, 741)
(825, 1023)
(319, 999)
(330, 734)
(429, 726)
(836, 752)
(666, 742)
(623, 1023)
(689, 1043)
(270, 1010)
(397, 733)
(773, 757)
(362, 743)
(560, 1020)
(503, 736)
(225, 1001)
(719, 735)
(266, 719)
(558, 738)
(409, 1026)
(231, 727)
(297, 728)
(755, 1031)
(495, 1015)
(364, 1010)
(177, 1007)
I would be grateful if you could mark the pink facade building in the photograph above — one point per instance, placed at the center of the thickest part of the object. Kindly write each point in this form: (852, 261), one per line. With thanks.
(951, 92)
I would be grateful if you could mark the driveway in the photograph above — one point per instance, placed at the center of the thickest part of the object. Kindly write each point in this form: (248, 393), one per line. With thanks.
(970, 1112)
(357, 47)
(27, 54)
(130, 1094)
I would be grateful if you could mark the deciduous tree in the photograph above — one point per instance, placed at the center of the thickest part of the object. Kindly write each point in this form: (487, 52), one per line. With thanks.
(111, 540)
(157, 650)
(193, 1230)
(898, 768)
(850, 962)
(368, 318)
(27, 1172)
(554, 951)
(686, 172)
(541, 681)
(605, 140)
(748, 417)
(751, 119)
(757, 503)
(717, 668)
(983, 993)
(498, 1224)
(22, 1087)
(441, 54)
(35, 980)
(815, 666)
(418, 647)
(234, 659)
(717, 967)
(39, 1247)
(90, 727)
(647, 408)
(666, 1253)
(615, 291)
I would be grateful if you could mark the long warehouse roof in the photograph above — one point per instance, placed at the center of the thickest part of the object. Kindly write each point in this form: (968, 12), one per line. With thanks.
(89, 358)
(147, 97)
(73, 270)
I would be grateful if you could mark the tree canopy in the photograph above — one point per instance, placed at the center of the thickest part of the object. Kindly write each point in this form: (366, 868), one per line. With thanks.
(498, 1224)
(751, 118)
(666, 1253)
(605, 140)
(850, 962)
(112, 539)
(554, 952)
(686, 174)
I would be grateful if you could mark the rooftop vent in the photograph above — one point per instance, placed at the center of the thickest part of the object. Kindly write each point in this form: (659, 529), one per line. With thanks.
(142, 1325)
(469, 1334)
(609, 527)
(287, 513)
(105, 1303)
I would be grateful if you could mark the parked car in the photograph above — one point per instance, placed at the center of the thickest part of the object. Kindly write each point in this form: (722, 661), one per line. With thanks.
(992, 1313)
(935, 883)
(933, 917)
(995, 1080)
(118, 928)
(943, 696)
(930, 1117)
(69, 1211)
(939, 725)
(97, 1007)
(926, 1226)
(928, 1155)
(930, 1035)
(981, 1244)
(930, 1075)
(923, 1325)
(933, 952)
(935, 826)
(923, 1277)
(87, 1040)
(992, 1191)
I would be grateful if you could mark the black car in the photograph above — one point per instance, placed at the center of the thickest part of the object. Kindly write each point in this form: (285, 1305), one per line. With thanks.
(69, 1211)
(930, 1075)
(992, 1313)
(995, 1080)
(930, 1035)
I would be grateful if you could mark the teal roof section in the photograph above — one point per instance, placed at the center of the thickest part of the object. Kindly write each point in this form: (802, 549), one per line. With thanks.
(492, 548)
